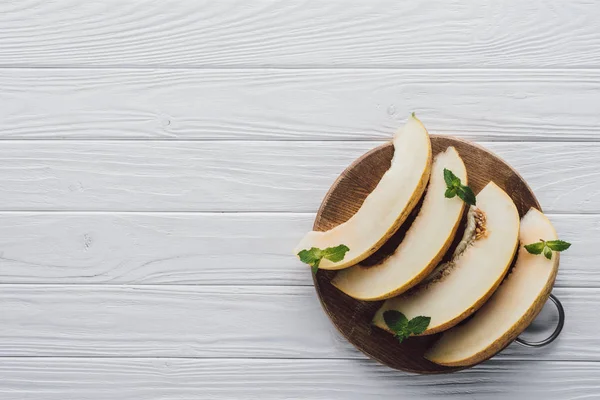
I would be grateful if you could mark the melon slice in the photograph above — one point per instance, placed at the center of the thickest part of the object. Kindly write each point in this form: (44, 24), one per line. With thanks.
(468, 281)
(387, 206)
(512, 307)
(425, 243)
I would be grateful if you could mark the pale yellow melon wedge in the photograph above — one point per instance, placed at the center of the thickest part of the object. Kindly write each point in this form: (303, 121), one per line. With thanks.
(425, 243)
(387, 206)
(470, 279)
(512, 307)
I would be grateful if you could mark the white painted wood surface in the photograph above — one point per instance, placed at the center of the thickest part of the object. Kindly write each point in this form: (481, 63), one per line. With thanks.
(300, 33)
(160, 379)
(216, 321)
(253, 176)
(248, 249)
(297, 104)
(159, 160)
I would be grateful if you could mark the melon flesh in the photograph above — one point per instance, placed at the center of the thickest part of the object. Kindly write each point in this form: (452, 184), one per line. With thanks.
(512, 307)
(472, 277)
(425, 243)
(387, 206)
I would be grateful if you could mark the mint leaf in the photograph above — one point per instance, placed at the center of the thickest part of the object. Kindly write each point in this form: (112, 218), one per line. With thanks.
(417, 325)
(401, 336)
(335, 254)
(535, 248)
(558, 245)
(451, 179)
(315, 267)
(450, 193)
(467, 195)
(402, 327)
(455, 187)
(547, 253)
(314, 256)
(395, 320)
(311, 256)
(546, 247)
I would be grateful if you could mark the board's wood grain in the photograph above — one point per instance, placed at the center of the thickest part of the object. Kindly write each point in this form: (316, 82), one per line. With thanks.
(212, 321)
(201, 249)
(160, 379)
(297, 104)
(353, 318)
(298, 33)
(244, 176)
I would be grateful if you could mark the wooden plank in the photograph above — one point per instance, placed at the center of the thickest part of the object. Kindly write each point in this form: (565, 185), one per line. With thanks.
(243, 176)
(383, 33)
(155, 248)
(296, 104)
(107, 379)
(201, 249)
(213, 321)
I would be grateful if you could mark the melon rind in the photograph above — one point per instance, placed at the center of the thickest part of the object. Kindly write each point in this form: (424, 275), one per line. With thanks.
(387, 206)
(515, 304)
(475, 275)
(423, 246)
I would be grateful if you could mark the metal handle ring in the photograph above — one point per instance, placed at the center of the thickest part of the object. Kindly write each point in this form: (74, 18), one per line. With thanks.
(554, 335)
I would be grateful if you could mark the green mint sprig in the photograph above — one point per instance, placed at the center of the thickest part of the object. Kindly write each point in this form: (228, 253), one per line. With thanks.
(456, 188)
(402, 327)
(314, 256)
(547, 246)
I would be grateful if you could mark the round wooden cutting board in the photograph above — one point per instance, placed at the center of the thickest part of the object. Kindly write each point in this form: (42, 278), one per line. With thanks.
(353, 317)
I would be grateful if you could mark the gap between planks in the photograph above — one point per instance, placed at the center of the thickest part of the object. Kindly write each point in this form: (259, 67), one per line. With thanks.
(295, 67)
(483, 142)
(212, 213)
(292, 359)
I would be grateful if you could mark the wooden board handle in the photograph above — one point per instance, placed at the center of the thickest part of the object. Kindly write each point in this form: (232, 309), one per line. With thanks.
(555, 334)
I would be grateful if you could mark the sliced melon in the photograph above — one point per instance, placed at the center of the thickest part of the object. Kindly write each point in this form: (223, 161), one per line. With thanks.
(425, 243)
(470, 279)
(387, 206)
(512, 307)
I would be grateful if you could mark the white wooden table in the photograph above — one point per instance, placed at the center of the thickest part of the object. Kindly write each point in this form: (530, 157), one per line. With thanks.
(160, 159)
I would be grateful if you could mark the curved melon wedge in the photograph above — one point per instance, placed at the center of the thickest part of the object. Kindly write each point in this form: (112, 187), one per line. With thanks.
(512, 307)
(387, 206)
(472, 277)
(425, 243)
